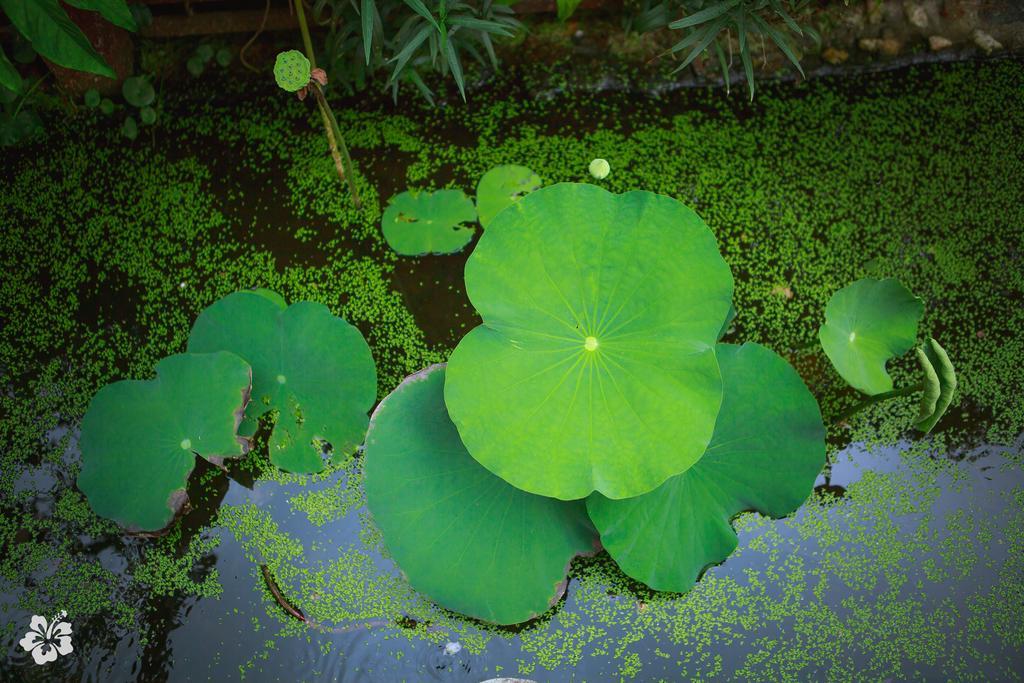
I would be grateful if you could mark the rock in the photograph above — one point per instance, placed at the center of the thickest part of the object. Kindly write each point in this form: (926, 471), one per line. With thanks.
(891, 47)
(985, 41)
(915, 14)
(870, 44)
(937, 43)
(834, 55)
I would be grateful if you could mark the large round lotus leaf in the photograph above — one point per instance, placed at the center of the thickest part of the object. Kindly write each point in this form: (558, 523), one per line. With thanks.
(502, 187)
(140, 438)
(939, 385)
(595, 366)
(866, 324)
(420, 222)
(768, 448)
(464, 537)
(312, 367)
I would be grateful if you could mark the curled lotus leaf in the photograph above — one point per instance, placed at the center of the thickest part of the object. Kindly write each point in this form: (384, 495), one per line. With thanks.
(768, 448)
(594, 368)
(419, 222)
(140, 438)
(501, 187)
(462, 536)
(311, 367)
(939, 385)
(866, 324)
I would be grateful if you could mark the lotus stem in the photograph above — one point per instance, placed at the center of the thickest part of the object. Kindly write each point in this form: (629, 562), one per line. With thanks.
(878, 398)
(279, 596)
(342, 161)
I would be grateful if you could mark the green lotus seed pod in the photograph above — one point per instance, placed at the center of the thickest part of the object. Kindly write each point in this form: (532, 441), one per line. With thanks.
(600, 169)
(291, 70)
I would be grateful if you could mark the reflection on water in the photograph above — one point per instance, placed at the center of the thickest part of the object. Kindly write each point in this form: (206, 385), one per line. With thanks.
(905, 575)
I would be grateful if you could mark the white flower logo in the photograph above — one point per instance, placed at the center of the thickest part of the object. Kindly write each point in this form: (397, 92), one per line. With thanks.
(46, 641)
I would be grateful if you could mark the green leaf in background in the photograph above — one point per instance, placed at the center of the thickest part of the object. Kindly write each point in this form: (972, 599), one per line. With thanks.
(866, 324)
(595, 367)
(939, 385)
(9, 76)
(92, 98)
(566, 8)
(503, 186)
(130, 129)
(138, 91)
(107, 106)
(53, 35)
(195, 65)
(147, 115)
(419, 222)
(224, 57)
(462, 536)
(312, 367)
(114, 11)
(140, 438)
(204, 52)
(768, 448)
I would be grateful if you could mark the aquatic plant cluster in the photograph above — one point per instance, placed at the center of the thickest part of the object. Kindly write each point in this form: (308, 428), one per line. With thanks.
(866, 600)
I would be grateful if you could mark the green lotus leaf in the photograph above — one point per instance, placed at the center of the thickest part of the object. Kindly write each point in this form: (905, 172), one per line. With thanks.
(866, 324)
(939, 385)
(140, 438)
(463, 537)
(768, 448)
(501, 187)
(291, 70)
(595, 367)
(313, 368)
(138, 91)
(419, 222)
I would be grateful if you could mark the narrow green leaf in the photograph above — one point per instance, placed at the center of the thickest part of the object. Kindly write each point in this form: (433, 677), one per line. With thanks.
(723, 65)
(456, 67)
(419, 8)
(704, 15)
(708, 34)
(402, 57)
(779, 40)
(748, 65)
(793, 26)
(52, 33)
(566, 8)
(9, 76)
(366, 12)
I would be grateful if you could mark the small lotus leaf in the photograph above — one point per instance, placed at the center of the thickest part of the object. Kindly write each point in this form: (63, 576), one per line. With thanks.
(464, 537)
(315, 369)
(595, 367)
(140, 438)
(130, 129)
(939, 385)
(138, 91)
(768, 448)
(503, 186)
(419, 222)
(147, 115)
(92, 98)
(600, 168)
(291, 70)
(866, 324)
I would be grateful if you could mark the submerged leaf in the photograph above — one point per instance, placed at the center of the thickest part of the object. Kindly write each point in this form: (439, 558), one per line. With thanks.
(419, 222)
(595, 366)
(939, 385)
(311, 367)
(464, 537)
(501, 187)
(768, 448)
(866, 324)
(140, 438)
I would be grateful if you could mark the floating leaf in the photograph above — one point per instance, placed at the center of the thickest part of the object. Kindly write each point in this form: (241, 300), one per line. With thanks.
(419, 222)
(138, 91)
(595, 366)
(768, 448)
(312, 367)
(463, 537)
(866, 324)
(503, 186)
(140, 438)
(939, 385)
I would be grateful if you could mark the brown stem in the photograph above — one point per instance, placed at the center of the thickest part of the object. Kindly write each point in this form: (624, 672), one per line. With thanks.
(276, 592)
(346, 171)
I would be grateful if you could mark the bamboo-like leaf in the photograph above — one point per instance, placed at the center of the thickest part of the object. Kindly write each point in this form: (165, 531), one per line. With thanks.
(708, 34)
(779, 40)
(704, 15)
(366, 16)
(456, 67)
(748, 66)
(402, 58)
(419, 8)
